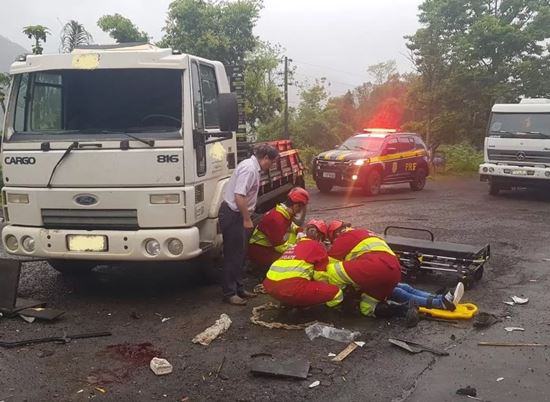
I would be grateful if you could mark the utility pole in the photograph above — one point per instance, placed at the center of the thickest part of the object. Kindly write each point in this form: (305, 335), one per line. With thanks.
(286, 133)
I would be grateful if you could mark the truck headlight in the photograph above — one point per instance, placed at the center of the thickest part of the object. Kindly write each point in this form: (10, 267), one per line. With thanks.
(547, 174)
(164, 198)
(152, 247)
(27, 243)
(11, 242)
(18, 198)
(175, 246)
(359, 162)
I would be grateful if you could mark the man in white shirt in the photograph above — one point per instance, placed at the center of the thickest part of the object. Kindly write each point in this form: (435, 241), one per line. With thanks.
(239, 201)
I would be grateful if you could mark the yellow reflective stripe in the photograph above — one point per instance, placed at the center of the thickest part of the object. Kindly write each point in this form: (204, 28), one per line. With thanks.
(289, 268)
(259, 238)
(367, 305)
(366, 245)
(342, 274)
(339, 298)
(330, 154)
(280, 208)
(400, 155)
(343, 155)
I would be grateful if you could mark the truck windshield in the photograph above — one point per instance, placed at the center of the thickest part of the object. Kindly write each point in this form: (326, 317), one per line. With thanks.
(99, 103)
(369, 144)
(534, 125)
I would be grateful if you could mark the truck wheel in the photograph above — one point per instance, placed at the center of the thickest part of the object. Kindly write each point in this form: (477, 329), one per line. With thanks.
(494, 188)
(72, 267)
(373, 183)
(324, 187)
(419, 180)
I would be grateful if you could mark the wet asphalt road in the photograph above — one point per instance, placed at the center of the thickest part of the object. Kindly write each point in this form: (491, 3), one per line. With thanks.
(131, 302)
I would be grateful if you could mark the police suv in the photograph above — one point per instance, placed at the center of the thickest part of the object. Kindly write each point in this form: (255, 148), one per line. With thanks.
(373, 158)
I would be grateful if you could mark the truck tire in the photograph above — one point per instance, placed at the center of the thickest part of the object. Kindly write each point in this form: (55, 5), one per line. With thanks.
(419, 180)
(72, 267)
(494, 188)
(324, 186)
(373, 183)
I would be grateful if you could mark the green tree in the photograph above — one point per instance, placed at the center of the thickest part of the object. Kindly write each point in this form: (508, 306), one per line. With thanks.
(382, 71)
(39, 34)
(4, 85)
(471, 54)
(73, 35)
(121, 29)
(218, 30)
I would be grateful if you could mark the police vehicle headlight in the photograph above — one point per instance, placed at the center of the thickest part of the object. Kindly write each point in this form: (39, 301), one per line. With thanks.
(164, 198)
(152, 247)
(359, 162)
(18, 198)
(175, 246)
(27, 243)
(11, 242)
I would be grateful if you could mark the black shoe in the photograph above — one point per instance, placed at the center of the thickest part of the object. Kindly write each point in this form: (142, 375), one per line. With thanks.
(448, 302)
(390, 309)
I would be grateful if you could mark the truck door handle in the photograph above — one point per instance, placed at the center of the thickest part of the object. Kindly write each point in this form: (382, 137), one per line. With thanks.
(90, 146)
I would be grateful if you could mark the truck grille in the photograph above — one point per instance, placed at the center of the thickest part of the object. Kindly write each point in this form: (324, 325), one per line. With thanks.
(519, 157)
(90, 219)
(333, 165)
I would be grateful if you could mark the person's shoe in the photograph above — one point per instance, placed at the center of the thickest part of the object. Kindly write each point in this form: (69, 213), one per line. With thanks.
(458, 293)
(448, 302)
(245, 294)
(235, 300)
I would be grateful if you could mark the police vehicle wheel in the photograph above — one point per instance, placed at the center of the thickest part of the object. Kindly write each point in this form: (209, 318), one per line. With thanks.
(373, 183)
(419, 180)
(324, 187)
(71, 267)
(494, 188)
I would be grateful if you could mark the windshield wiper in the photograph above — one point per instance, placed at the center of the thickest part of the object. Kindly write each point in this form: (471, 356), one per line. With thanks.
(362, 148)
(67, 152)
(151, 143)
(537, 133)
(344, 146)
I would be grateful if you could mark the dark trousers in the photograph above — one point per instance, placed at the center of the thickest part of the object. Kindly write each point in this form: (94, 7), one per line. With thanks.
(235, 239)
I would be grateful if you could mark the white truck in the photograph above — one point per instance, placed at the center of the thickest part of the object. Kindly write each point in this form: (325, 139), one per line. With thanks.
(114, 153)
(517, 146)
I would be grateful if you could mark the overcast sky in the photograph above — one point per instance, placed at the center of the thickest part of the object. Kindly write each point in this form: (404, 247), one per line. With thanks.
(336, 39)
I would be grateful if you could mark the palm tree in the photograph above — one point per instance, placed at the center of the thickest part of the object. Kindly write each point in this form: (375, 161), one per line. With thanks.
(73, 35)
(39, 33)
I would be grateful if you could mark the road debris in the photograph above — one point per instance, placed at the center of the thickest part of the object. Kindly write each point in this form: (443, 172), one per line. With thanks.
(346, 352)
(259, 289)
(468, 391)
(80, 391)
(485, 320)
(499, 379)
(520, 300)
(414, 347)
(256, 319)
(28, 319)
(220, 368)
(294, 368)
(509, 303)
(512, 329)
(102, 390)
(57, 339)
(518, 345)
(160, 366)
(340, 335)
(314, 384)
(164, 319)
(209, 334)
(331, 354)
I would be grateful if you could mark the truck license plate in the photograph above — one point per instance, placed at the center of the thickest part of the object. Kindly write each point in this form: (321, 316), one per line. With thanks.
(329, 175)
(519, 172)
(87, 243)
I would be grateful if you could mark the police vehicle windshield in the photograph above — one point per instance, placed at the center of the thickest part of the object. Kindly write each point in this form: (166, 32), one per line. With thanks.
(366, 143)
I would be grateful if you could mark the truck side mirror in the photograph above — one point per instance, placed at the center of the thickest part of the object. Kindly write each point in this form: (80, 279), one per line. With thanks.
(228, 112)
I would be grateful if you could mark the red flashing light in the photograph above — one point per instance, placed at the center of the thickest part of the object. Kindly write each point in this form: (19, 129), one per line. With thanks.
(380, 130)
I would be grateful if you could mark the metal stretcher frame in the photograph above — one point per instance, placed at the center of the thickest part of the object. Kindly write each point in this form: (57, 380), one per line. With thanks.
(419, 256)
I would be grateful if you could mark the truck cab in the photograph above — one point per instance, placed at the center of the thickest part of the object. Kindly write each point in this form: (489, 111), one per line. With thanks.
(114, 153)
(517, 146)
(373, 158)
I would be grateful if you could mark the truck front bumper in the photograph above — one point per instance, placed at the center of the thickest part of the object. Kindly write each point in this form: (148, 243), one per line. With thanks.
(121, 245)
(514, 175)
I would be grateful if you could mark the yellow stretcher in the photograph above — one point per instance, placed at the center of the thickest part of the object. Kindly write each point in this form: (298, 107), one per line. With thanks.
(464, 311)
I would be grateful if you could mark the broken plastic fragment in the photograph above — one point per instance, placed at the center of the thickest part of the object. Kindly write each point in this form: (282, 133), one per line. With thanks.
(331, 354)
(499, 379)
(80, 391)
(160, 366)
(359, 343)
(165, 319)
(314, 384)
(520, 300)
(512, 329)
(27, 318)
(509, 303)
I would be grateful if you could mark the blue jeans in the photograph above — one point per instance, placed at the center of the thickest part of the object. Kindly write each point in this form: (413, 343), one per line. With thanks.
(403, 293)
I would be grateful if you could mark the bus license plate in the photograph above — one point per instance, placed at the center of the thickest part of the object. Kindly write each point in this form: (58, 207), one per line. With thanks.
(329, 175)
(519, 172)
(92, 243)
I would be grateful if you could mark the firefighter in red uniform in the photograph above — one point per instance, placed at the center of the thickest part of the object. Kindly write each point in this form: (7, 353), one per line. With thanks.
(362, 259)
(276, 231)
(290, 279)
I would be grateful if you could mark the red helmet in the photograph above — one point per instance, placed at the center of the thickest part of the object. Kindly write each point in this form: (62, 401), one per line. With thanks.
(298, 195)
(333, 227)
(319, 224)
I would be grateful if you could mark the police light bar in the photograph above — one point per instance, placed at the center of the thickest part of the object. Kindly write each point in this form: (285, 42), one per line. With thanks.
(379, 130)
